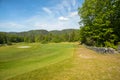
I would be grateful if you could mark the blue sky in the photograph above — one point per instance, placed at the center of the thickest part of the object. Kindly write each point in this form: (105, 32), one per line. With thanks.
(24, 15)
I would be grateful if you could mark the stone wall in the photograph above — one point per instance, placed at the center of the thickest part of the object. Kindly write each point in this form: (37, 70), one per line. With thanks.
(103, 50)
(118, 48)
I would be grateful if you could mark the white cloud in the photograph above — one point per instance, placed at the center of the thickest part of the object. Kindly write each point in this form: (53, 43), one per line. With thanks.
(11, 25)
(67, 5)
(74, 2)
(48, 26)
(39, 25)
(47, 10)
(61, 9)
(63, 18)
(62, 15)
(72, 14)
(64, 8)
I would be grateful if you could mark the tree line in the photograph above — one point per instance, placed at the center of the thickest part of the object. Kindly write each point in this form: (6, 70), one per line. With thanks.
(100, 20)
(43, 36)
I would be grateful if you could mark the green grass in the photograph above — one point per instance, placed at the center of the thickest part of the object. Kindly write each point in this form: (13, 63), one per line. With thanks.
(57, 61)
(15, 61)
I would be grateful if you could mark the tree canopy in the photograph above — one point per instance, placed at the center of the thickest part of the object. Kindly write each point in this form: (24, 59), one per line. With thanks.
(101, 22)
(43, 36)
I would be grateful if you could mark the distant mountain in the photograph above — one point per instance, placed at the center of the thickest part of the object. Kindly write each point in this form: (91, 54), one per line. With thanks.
(43, 32)
(63, 31)
(43, 36)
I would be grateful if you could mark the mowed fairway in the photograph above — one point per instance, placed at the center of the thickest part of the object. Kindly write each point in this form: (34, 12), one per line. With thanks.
(18, 59)
(56, 61)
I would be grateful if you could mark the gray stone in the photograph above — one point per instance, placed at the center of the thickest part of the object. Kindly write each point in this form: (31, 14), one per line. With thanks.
(103, 49)
(119, 48)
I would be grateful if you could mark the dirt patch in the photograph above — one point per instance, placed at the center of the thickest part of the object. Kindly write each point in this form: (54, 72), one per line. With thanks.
(86, 56)
(85, 53)
(23, 46)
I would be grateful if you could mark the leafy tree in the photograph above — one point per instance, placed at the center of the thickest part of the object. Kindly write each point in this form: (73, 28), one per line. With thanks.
(100, 19)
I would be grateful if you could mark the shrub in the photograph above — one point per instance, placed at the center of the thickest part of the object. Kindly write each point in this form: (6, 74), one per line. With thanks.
(44, 42)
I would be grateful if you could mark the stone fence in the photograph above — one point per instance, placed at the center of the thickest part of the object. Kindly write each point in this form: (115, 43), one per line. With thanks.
(104, 50)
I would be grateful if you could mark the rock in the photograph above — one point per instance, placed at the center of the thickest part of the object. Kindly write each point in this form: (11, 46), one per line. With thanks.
(103, 50)
(111, 50)
(118, 48)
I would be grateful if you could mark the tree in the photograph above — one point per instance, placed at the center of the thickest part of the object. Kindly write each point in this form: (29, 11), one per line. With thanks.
(100, 20)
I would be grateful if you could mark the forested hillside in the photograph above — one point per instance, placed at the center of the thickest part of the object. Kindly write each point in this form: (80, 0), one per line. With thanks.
(43, 36)
(101, 23)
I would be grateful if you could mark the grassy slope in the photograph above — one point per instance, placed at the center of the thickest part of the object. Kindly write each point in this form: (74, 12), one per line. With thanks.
(15, 61)
(84, 65)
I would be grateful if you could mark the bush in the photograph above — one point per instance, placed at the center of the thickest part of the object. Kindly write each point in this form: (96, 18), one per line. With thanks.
(44, 42)
(9, 43)
(108, 44)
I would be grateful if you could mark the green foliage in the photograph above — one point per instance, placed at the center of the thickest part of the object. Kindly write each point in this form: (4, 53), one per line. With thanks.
(44, 42)
(100, 21)
(43, 36)
(56, 39)
(6, 38)
(2, 38)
